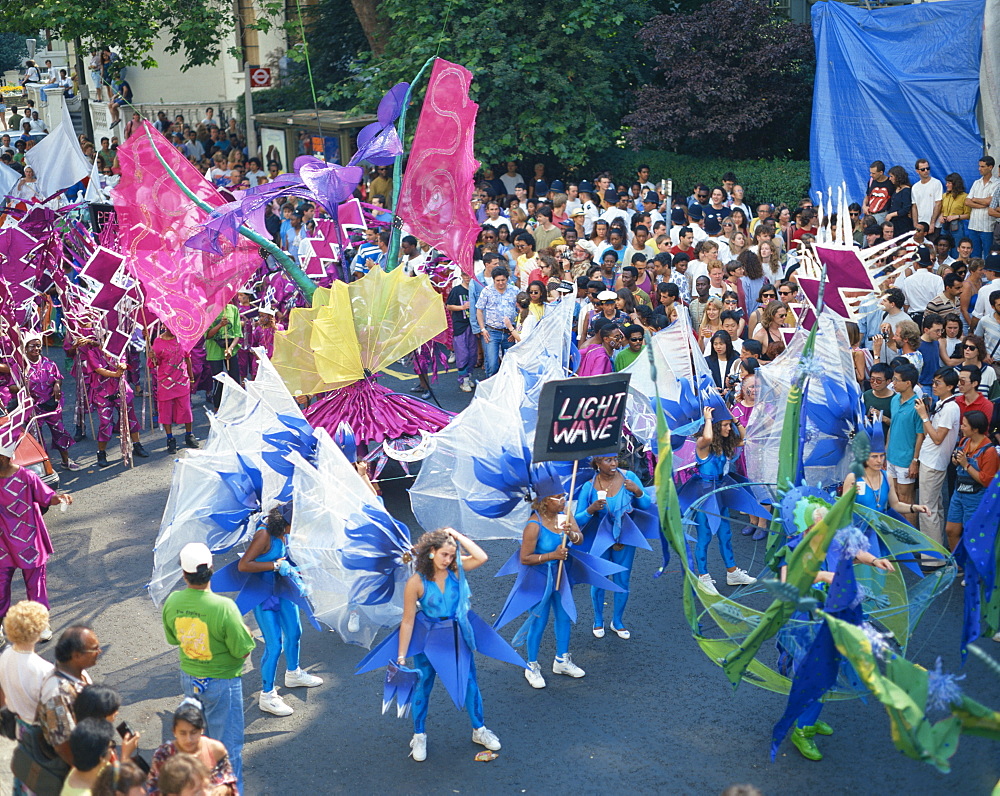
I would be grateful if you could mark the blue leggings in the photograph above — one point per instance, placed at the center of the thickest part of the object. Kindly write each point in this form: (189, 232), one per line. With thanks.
(541, 619)
(282, 630)
(422, 693)
(705, 536)
(624, 557)
(810, 716)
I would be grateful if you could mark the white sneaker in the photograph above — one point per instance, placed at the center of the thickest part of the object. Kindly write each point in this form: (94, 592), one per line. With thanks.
(353, 622)
(418, 746)
(451, 359)
(46, 634)
(533, 674)
(486, 737)
(997, 638)
(270, 702)
(465, 386)
(300, 677)
(739, 577)
(567, 667)
(707, 584)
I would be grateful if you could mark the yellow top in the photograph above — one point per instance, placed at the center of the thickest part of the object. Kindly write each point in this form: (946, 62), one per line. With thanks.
(954, 205)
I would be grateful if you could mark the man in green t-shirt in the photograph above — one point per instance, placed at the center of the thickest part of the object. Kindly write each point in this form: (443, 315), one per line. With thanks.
(213, 642)
(636, 342)
(222, 347)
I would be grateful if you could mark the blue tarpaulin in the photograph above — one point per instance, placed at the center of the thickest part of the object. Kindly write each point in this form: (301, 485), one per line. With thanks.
(895, 84)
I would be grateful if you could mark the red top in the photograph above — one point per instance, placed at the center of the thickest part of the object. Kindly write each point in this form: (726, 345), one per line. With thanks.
(989, 460)
(982, 403)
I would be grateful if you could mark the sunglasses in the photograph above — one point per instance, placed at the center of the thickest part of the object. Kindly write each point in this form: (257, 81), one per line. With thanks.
(635, 339)
(925, 168)
(970, 348)
(785, 293)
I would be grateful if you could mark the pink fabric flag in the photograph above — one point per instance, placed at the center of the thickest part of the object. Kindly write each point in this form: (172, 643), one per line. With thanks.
(435, 199)
(185, 288)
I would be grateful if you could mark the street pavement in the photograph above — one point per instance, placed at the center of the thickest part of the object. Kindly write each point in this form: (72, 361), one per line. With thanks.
(652, 715)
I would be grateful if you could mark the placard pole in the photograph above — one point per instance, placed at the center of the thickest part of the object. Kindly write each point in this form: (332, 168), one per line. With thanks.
(569, 514)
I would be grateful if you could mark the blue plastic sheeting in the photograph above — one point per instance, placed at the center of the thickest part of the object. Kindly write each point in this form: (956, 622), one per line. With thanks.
(895, 84)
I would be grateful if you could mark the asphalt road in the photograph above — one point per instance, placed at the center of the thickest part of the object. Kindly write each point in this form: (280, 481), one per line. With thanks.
(652, 714)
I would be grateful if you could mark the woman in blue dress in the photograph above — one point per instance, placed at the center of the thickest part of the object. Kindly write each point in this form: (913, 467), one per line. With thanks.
(876, 490)
(536, 590)
(715, 450)
(440, 632)
(614, 512)
(277, 613)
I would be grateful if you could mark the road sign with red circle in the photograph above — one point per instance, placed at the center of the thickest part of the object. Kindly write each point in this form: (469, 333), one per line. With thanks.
(260, 77)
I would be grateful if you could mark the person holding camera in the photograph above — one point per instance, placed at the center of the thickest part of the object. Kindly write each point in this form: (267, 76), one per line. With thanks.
(976, 462)
(940, 434)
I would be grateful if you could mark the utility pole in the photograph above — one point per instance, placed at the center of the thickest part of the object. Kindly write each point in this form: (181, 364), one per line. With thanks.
(248, 103)
(81, 79)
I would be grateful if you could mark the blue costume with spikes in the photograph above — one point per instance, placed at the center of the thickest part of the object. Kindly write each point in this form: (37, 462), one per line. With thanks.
(614, 533)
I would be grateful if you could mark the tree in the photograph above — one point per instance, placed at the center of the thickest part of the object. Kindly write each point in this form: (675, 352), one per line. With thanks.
(735, 79)
(198, 28)
(13, 50)
(552, 79)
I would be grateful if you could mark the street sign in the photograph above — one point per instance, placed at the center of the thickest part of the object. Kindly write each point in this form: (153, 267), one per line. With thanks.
(260, 77)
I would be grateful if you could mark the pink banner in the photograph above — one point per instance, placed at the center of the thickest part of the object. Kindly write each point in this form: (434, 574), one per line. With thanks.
(185, 288)
(435, 197)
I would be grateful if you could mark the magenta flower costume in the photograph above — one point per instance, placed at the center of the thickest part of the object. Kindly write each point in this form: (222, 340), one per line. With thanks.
(43, 376)
(24, 539)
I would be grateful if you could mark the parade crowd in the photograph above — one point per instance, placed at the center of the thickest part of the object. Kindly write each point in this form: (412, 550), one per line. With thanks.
(634, 260)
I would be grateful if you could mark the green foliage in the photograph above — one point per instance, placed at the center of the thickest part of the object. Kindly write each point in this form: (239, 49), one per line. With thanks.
(13, 50)
(726, 87)
(763, 180)
(551, 80)
(197, 28)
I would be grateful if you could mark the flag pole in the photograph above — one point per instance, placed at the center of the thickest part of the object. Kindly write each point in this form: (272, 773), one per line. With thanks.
(569, 513)
(397, 172)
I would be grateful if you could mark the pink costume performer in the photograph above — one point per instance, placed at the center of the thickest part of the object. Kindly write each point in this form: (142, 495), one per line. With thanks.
(103, 391)
(43, 375)
(262, 337)
(173, 387)
(24, 539)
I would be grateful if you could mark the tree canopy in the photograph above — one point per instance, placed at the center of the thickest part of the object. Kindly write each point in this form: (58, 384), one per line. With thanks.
(551, 79)
(200, 29)
(734, 78)
(13, 50)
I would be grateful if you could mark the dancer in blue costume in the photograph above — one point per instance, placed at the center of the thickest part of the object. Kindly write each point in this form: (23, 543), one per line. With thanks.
(613, 511)
(535, 590)
(716, 447)
(441, 634)
(808, 724)
(876, 489)
(277, 616)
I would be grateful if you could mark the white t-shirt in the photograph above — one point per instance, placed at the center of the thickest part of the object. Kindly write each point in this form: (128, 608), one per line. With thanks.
(696, 230)
(509, 182)
(21, 678)
(983, 298)
(922, 286)
(947, 415)
(924, 195)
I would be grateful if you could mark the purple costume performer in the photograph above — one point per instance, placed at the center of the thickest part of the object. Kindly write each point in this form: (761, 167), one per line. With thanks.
(43, 376)
(103, 391)
(262, 337)
(24, 539)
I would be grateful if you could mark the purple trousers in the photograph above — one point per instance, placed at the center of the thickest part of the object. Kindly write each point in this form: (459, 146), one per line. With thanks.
(105, 406)
(34, 584)
(465, 352)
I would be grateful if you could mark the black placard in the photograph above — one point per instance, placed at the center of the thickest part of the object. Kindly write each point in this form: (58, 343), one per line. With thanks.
(581, 417)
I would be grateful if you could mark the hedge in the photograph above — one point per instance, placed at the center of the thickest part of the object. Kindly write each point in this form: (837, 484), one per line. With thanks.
(762, 180)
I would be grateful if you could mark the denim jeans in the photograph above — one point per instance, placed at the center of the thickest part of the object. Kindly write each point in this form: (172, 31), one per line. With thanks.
(222, 704)
(499, 341)
(982, 242)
